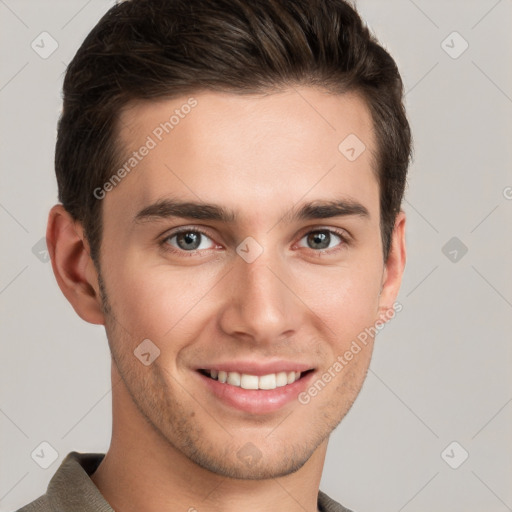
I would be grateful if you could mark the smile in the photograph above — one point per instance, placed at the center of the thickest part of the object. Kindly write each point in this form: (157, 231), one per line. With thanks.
(247, 381)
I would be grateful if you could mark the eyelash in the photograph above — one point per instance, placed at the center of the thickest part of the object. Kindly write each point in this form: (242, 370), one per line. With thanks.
(319, 253)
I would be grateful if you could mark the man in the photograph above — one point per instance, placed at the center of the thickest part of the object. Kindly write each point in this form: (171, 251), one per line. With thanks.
(231, 174)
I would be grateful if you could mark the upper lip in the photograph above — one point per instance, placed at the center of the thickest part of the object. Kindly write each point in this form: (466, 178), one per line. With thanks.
(257, 368)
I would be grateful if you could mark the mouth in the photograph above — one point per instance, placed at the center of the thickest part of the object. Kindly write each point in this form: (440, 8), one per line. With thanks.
(256, 386)
(248, 381)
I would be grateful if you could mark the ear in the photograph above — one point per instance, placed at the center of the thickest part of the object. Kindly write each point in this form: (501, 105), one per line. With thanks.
(393, 269)
(72, 265)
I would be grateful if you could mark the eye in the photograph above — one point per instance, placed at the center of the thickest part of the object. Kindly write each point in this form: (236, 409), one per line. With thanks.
(322, 239)
(187, 240)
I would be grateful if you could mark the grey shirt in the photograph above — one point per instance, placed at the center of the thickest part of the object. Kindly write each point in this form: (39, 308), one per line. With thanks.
(72, 490)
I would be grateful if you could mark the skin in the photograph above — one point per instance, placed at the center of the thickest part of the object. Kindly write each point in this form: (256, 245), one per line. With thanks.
(174, 444)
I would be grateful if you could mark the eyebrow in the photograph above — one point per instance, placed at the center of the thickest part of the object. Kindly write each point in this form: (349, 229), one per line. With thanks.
(167, 208)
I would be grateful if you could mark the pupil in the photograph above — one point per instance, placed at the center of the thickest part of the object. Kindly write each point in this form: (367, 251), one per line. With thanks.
(189, 238)
(319, 240)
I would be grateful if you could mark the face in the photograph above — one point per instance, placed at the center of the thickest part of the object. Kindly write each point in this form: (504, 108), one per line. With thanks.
(244, 245)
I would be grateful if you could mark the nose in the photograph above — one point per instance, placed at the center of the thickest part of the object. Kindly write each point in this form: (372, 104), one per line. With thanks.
(259, 303)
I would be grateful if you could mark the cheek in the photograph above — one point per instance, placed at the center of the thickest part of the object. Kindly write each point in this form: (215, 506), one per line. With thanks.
(163, 302)
(344, 297)
(156, 301)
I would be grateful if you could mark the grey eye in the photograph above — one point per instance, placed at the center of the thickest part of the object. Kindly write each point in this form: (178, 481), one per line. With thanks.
(189, 240)
(321, 239)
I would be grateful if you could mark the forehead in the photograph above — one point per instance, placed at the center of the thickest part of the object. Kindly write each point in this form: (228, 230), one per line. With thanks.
(247, 151)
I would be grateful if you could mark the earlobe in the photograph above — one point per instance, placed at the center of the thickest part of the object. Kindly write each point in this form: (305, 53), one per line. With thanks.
(73, 266)
(393, 268)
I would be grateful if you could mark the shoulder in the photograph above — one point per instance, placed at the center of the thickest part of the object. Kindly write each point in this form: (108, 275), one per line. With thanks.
(41, 504)
(71, 487)
(326, 504)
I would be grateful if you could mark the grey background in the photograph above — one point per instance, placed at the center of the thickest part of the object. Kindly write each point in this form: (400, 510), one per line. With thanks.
(441, 368)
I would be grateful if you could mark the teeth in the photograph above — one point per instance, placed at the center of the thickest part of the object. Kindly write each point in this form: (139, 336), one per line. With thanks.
(249, 381)
(234, 379)
(268, 381)
(281, 379)
(246, 381)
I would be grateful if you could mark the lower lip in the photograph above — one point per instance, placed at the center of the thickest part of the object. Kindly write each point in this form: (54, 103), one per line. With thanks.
(257, 401)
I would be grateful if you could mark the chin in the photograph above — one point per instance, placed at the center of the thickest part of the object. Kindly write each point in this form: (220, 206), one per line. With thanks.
(246, 468)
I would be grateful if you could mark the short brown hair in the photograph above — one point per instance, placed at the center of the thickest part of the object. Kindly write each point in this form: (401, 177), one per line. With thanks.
(145, 49)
